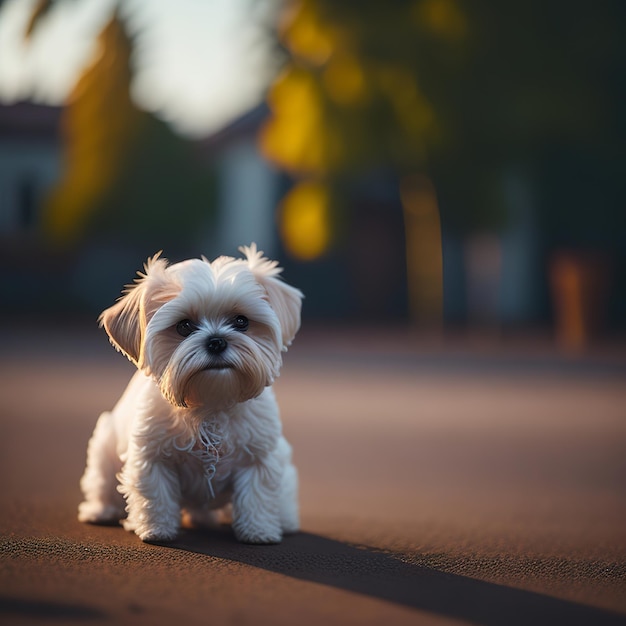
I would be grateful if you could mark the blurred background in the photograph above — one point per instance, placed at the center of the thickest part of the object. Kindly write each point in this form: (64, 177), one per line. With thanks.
(437, 164)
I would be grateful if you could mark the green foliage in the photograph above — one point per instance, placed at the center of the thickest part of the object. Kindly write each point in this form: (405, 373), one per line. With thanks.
(463, 89)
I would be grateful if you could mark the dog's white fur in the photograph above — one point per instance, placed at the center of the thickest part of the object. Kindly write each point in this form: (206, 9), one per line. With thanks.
(195, 431)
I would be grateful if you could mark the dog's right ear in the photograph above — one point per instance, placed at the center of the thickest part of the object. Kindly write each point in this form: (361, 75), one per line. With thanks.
(125, 322)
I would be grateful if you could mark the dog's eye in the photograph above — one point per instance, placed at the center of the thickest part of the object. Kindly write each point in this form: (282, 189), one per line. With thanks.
(185, 327)
(240, 322)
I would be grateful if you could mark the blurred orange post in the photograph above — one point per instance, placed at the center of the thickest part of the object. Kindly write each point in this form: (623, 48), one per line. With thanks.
(424, 257)
(580, 286)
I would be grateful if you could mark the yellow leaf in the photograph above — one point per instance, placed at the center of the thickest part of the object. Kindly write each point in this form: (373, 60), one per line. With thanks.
(344, 80)
(295, 136)
(305, 220)
(305, 34)
(441, 17)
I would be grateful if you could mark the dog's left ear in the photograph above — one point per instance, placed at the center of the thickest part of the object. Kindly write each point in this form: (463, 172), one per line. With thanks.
(286, 301)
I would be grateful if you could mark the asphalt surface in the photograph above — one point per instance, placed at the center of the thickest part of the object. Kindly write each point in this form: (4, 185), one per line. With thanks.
(469, 482)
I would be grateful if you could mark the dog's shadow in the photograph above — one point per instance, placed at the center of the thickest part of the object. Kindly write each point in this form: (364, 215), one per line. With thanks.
(362, 570)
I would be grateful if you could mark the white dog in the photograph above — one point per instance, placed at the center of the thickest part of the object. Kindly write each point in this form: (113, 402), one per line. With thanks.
(198, 426)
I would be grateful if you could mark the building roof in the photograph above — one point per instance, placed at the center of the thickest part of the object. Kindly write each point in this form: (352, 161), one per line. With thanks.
(28, 121)
(246, 125)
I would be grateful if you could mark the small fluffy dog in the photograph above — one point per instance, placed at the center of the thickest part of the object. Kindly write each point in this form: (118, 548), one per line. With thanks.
(198, 426)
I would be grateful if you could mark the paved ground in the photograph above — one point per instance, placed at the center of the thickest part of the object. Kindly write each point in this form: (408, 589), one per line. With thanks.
(440, 484)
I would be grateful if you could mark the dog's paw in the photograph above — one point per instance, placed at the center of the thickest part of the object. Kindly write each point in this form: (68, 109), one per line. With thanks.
(258, 536)
(156, 534)
(98, 513)
(291, 529)
(290, 522)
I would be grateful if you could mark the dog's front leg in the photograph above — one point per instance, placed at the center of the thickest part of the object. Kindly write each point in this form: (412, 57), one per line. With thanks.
(102, 503)
(256, 503)
(152, 494)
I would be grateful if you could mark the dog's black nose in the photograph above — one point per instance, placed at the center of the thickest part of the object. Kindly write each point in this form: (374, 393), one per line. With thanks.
(215, 345)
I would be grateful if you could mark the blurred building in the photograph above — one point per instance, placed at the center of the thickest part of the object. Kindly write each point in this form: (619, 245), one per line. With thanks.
(30, 163)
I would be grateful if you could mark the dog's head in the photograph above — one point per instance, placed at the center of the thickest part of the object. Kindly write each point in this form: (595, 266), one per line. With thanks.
(208, 332)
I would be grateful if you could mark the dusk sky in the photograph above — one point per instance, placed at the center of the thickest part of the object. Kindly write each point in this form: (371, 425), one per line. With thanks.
(198, 63)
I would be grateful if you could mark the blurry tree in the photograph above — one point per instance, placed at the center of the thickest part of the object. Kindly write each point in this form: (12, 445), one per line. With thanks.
(126, 173)
(352, 99)
(538, 82)
(355, 67)
(451, 95)
(99, 125)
